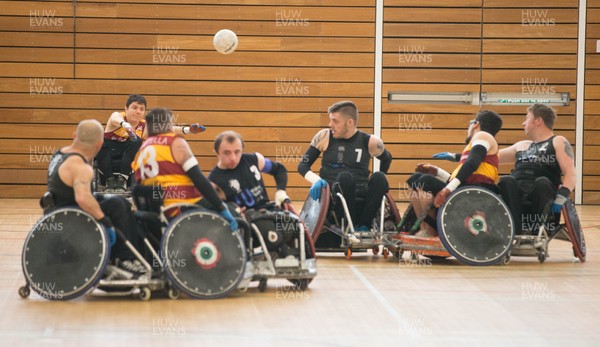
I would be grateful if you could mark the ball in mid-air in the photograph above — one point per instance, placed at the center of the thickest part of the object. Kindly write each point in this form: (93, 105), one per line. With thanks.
(225, 41)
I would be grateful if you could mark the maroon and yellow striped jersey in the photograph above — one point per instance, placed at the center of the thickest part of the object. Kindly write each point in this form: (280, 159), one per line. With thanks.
(154, 165)
(120, 134)
(487, 172)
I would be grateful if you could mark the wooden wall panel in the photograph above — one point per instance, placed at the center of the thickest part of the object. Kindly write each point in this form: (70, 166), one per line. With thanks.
(453, 46)
(591, 149)
(292, 62)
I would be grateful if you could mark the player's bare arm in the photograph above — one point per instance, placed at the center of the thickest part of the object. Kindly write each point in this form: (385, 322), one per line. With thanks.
(566, 161)
(321, 140)
(376, 146)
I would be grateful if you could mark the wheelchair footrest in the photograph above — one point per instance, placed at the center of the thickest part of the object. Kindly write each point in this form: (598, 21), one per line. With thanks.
(423, 245)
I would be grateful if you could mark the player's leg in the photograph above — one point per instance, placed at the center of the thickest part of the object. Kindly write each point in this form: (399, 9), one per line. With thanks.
(376, 189)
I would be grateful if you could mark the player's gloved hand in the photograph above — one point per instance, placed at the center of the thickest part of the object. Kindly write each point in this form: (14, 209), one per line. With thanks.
(110, 230)
(561, 197)
(280, 197)
(441, 197)
(445, 156)
(427, 169)
(315, 190)
(126, 126)
(129, 129)
(196, 128)
(229, 217)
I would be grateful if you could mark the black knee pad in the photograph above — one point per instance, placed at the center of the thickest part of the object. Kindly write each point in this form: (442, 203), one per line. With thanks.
(543, 183)
(378, 178)
(413, 180)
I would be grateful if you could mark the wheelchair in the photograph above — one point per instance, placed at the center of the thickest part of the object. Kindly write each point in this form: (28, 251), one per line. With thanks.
(279, 246)
(66, 255)
(199, 254)
(530, 244)
(332, 230)
(476, 227)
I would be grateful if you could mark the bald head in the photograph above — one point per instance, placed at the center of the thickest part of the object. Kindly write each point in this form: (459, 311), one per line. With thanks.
(89, 132)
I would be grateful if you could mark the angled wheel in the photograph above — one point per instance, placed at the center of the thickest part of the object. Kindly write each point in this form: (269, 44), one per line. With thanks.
(314, 213)
(476, 226)
(202, 257)
(574, 230)
(65, 254)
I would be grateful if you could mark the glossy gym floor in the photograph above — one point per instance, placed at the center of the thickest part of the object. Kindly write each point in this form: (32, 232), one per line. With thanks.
(365, 301)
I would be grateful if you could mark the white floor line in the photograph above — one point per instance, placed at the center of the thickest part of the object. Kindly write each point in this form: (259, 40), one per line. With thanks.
(386, 304)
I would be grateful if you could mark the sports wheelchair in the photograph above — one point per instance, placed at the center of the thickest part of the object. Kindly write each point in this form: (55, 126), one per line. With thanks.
(476, 227)
(66, 254)
(279, 246)
(332, 229)
(528, 243)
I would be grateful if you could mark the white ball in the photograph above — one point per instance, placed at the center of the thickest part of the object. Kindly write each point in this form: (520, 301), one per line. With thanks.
(225, 41)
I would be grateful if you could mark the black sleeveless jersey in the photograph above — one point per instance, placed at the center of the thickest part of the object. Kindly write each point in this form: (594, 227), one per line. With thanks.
(350, 155)
(63, 194)
(538, 160)
(244, 184)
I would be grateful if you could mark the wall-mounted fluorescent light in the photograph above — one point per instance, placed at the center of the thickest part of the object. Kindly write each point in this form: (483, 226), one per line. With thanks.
(465, 98)
(501, 98)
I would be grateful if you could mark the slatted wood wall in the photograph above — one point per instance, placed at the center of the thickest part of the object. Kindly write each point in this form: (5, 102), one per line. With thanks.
(60, 63)
(437, 45)
(294, 59)
(591, 150)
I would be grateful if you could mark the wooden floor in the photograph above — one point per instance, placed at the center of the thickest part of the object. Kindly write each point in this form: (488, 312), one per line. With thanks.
(366, 301)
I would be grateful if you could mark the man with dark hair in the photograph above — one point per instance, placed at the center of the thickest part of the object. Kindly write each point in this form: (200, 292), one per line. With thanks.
(543, 163)
(69, 184)
(478, 165)
(238, 174)
(166, 160)
(122, 141)
(347, 153)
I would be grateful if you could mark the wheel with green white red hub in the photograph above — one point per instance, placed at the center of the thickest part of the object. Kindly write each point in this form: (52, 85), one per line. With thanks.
(476, 226)
(203, 257)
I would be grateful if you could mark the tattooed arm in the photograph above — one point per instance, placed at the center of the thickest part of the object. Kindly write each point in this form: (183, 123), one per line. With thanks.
(376, 146)
(566, 160)
(318, 144)
(377, 149)
(80, 175)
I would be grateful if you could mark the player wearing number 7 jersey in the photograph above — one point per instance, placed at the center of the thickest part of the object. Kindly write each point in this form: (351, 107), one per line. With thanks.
(347, 153)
